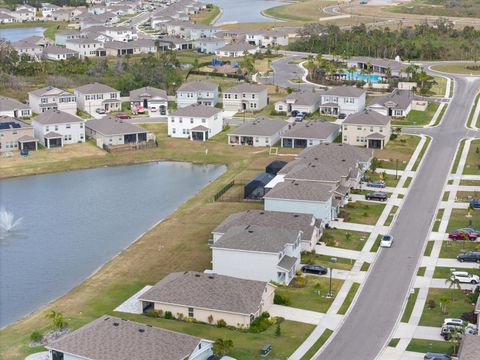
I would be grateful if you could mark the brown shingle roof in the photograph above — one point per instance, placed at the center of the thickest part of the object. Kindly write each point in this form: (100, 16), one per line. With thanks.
(469, 348)
(301, 190)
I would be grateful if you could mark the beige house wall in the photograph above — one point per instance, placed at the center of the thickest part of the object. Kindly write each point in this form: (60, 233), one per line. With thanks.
(357, 134)
(9, 138)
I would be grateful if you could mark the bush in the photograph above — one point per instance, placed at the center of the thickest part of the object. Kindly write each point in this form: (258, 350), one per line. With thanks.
(168, 315)
(278, 113)
(473, 296)
(36, 336)
(261, 323)
(431, 304)
(281, 300)
(210, 319)
(221, 323)
(299, 282)
(393, 136)
(471, 317)
(151, 313)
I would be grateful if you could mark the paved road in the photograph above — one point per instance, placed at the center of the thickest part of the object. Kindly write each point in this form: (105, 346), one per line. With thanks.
(373, 317)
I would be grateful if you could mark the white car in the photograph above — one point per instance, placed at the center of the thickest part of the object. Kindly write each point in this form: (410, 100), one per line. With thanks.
(453, 322)
(465, 277)
(386, 241)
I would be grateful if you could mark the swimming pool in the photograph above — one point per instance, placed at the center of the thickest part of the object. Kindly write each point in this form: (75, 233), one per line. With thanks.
(373, 78)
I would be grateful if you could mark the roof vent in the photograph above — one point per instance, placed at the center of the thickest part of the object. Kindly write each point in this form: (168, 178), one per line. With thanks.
(343, 160)
(261, 213)
(197, 275)
(296, 184)
(141, 330)
(295, 215)
(116, 324)
(211, 277)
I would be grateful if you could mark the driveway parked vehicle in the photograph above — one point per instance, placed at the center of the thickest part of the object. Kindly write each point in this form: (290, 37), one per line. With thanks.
(122, 116)
(377, 195)
(436, 356)
(470, 231)
(100, 111)
(376, 184)
(315, 269)
(342, 116)
(475, 203)
(462, 235)
(300, 116)
(386, 241)
(465, 277)
(469, 256)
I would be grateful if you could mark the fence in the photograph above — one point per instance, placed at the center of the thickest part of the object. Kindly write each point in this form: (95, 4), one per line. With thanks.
(130, 147)
(220, 195)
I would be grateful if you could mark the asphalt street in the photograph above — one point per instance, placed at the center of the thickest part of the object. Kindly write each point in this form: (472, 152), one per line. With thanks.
(367, 328)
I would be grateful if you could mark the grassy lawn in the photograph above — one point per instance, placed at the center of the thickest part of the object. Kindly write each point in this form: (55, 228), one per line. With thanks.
(470, 182)
(340, 264)
(472, 165)
(409, 307)
(438, 219)
(458, 219)
(318, 344)
(455, 308)
(394, 342)
(424, 346)
(361, 212)
(376, 244)
(348, 299)
(445, 195)
(391, 215)
(428, 248)
(390, 180)
(422, 153)
(450, 249)
(418, 118)
(440, 87)
(421, 271)
(207, 15)
(457, 68)
(313, 295)
(400, 149)
(302, 11)
(353, 240)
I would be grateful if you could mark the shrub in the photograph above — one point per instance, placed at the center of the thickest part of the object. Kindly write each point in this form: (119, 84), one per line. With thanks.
(168, 315)
(261, 323)
(278, 330)
(393, 136)
(281, 300)
(210, 319)
(473, 296)
(221, 323)
(471, 317)
(180, 316)
(151, 313)
(36, 336)
(299, 282)
(278, 113)
(431, 304)
(365, 214)
(160, 313)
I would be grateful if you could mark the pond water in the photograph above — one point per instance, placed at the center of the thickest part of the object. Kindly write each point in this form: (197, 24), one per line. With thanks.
(15, 34)
(244, 11)
(73, 222)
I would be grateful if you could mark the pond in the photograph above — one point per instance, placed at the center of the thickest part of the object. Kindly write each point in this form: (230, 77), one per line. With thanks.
(73, 222)
(244, 11)
(16, 34)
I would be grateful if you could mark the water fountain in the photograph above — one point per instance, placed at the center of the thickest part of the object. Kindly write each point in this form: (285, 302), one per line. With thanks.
(7, 220)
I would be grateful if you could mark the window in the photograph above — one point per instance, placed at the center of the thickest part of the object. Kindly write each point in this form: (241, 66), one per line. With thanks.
(56, 127)
(190, 312)
(68, 126)
(359, 128)
(174, 131)
(112, 96)
(46, 128)
(204, 121)
(253, 96)
(371, 129)
(173, 119)
(191, 120)
(81, 125)
(44, 100)
(180, 120)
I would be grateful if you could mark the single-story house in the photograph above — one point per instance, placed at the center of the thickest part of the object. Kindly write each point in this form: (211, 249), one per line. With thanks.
(310, 228)
(152, 100)
(378, 66)
(16, 135)
(302, 101)
(309, 133)
(209, 297)
(55, 128)
(58, 53)
(367, 128)
(236, 50)
(107, 131)
(196, 122)
(260, 132)
(109, 337)
(397, 104)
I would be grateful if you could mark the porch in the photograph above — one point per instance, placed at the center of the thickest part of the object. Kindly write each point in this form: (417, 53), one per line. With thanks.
(27, 143)
(199, 133)
(294, 143)
(375, 141)
(112, 105)
(331, 109)
(53, 140)
(240, 140)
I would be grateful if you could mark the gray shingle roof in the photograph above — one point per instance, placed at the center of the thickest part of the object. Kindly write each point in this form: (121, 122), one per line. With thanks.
(208, 291)
(49, 90)
(57, 50)
(197, 110)
(367, 117)
(469, 348)
(347, 91)
(7, 104)
(147, 92)
(95, 88)
(56, 117)
(107, 126)
(305, 98)
(198, 85)
(317, 129)
(260, 127)
(385, 63)
(287, 262)
(112, 338)
(282, 220)
(376, 136)
(337, 153)
(237, 47)
(52, 135)
(398, 99)
(256, 238)
(300, 190)
(246, 88)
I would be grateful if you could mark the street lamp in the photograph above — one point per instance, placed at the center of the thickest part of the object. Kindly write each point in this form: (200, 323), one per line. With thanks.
(332, 260)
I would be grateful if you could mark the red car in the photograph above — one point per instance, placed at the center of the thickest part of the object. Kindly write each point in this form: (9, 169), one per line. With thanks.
(461, 235)
(122, 116)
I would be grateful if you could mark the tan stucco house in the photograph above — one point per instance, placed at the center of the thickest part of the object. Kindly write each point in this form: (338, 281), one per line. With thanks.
(367, 128)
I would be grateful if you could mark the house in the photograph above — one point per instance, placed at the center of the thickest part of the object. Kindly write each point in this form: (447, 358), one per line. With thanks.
(32, 47)
(56, 128)
(342, 100)
(150, 99)
(245, 97)
(85, 47)
(367, 128)
(23, 15)
(261, 253)
(52, 98)
(236, 50)
(109, 337)
(385, 67)
(58, 53)
(260, 132)
(307, 225)
(301, 101)
(196, 122)
(48, 9)
(194, 31)
(121, 33)
(16, 135)
(197, 92)
(175, 43)
(95, 96)
(309, 133)
(469, 348)
(62, 37)
(208, 297)
(107, 132)
(397, 104)
(209, 45)
(6, 18)
(14, 108)
(267, 38)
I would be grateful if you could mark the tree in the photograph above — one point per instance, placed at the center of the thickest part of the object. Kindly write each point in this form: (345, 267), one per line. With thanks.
(56, 319)
(444, 302)
(278, 330)
(453, 284)
(222, 347)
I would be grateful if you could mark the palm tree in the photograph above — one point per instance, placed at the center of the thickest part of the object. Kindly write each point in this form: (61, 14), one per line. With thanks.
(444, 302)
(351, 70)
(453, 284)
(56, 319)
(222, 347)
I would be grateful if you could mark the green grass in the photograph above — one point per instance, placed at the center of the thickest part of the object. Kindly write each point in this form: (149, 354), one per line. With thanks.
(409, 307)
(353, 240)
(450, 249)
(421, 271)
(418, 118)
(376, 244)
(391, 215)
(407, 182)
(390, 180)
(471, 121)
(440, 87)
(472, 164)
(365, 266)
(428, 248)
(400, 149)
(318, 344)
(434, 317)
(340, 264)
(457, 68)
(206, 16)
(444, 272)
(438, 220)
(422, 153)
(362, 212)
(51, 27)
(445, 195)
(313, 295)
(459, 219)
(458, 156)
(394, 342)
(348, 299)
(424, 346)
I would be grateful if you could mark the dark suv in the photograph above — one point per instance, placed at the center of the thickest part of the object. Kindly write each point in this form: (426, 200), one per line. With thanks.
(469, 256)
(315, 269)
(377, 195)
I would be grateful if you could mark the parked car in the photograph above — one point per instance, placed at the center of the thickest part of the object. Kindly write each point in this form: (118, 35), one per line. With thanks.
(475, 203)
(453, 322)
(377, 195)
(122, 116)
(436, 356)
(470, 231)
(465, 277)
(295, 113)
(469, 256)
(376, 184)
(469, 329)
(315, 269)
(461, 235)
(342, 116)
(100, 111)
(300, 116)
(386, 241)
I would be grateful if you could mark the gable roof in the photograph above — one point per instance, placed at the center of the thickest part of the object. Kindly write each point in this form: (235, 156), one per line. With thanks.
(198, 85)
(56, 117)
(260, 127)
(237, 47)
(347, 91)
(147, 92)
(316, 129)
(49, 90)
(306, 98)
(367, 117)
(398, 99)
(95, 88)
(197, 110)
(208, 291)
(246, 88)
(7, 104)
(109, 126)
(112, 338)
(301, 190)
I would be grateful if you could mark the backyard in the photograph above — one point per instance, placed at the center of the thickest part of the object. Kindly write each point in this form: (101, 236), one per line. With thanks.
(417, 117)
(400, 149)
(353, 240)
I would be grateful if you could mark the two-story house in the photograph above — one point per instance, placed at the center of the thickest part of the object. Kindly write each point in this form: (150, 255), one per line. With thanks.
(85, 47)
(98, 98)
(397, 104)
(56, 128)
(196, 122)
(197, 92)
(343, 100)
(121, 33)
(267, 38)
(245, 97)
(367, 128)
(52, 98)
(16, 135)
